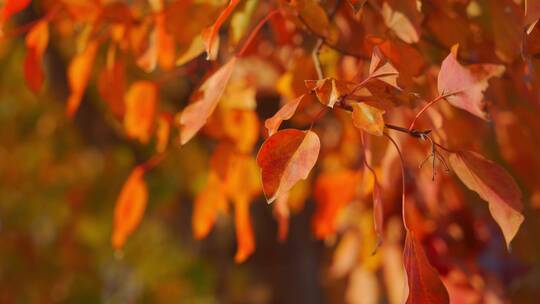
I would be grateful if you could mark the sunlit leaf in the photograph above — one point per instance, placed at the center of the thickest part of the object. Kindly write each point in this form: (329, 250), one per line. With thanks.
(330, 200)
(368, 118)
(205, 101)
(130, 207)
(286, 112)
(209, 201)
(141, 103)
(466, 85)
(211, 35)
(285, 158)
(495, 186)
(399, 24)
(79, 72)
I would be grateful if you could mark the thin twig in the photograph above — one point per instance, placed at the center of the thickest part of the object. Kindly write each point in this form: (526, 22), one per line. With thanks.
(316, 60)
(401, 162)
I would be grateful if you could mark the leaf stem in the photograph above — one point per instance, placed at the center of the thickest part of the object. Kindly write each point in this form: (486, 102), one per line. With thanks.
(255, 31)
(424, 108)
(402, 164)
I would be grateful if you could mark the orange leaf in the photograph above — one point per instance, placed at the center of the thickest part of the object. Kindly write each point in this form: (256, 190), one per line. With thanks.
(210, 35)
(399, 24)
(79, 71)
(130, 207)
(141, 101)
(285, 158)
(381, 69)
(112, 86)
(495, 186)
(36, 43)
(244, 231)
(333, 191)
(425, 285)
(163, 131)
(242, 127)
(11, 7)
(466, 86)
(328, 90)
(368, 118)
(207, 204)
(206, 99)
(285, 113)
(315, 17)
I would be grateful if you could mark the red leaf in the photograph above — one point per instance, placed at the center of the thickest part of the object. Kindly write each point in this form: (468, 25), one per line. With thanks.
(206, 99)
(79, 71)
(114, 73)
(466, 85)
(36, 43)
(130, 207)
(285, 113)
(11, 7)
(285, 158)
(495, 186)
(425, 285)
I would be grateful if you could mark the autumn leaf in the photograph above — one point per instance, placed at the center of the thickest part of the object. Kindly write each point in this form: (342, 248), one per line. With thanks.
(425, 285)
(36, 43)
(141, 103)
(11, 7)
(315, 17)
(211, 35)
(195, 48)
(112, 86)
(286, 112)
(130, 207)
(205, 101)
(495, 186)
(464, 86)
(333, 191)
(368, 118)
(79, 71)
(285, 158)
(329, 90)
(163, 131)
(209, 201)
(382, 69)
(244, 231)
(242, 128)
(399, 24)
